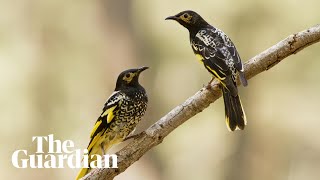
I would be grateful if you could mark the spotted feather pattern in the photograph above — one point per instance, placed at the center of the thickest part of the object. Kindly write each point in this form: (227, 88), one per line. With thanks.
(130, 105)
(217, 51)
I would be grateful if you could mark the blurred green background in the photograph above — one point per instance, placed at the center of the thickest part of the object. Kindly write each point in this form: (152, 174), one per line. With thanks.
(60, 59)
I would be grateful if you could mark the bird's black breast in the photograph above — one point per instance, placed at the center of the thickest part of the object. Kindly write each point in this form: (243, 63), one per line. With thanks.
(137, 94)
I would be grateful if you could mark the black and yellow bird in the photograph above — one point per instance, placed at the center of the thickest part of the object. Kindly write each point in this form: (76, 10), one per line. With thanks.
(121, 113)
(220, 57)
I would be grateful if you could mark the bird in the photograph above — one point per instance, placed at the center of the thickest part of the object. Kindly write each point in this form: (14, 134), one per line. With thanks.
(218, 54)
(121, 113)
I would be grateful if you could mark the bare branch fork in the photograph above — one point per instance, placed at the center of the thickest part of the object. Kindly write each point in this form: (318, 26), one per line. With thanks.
(155, 134)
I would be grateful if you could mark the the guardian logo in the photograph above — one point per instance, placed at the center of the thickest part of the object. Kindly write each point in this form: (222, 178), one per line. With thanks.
(59, 155)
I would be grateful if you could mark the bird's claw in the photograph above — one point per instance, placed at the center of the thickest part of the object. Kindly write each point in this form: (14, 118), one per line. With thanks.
(208, 86)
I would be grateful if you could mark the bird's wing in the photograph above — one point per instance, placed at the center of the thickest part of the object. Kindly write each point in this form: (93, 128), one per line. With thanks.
(207, 45)
(210, 44)
(232, 50)
(111, 106)
(232, 57)
(236, 57)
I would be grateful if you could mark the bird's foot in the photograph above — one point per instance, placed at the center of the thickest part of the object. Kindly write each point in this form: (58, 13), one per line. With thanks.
(208, 86)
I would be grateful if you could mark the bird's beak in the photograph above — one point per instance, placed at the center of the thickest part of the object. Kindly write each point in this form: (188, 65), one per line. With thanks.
(142, 69)
(172, 18)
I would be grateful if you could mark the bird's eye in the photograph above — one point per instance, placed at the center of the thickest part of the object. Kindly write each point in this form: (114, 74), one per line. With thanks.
(127, 75)
(185, 15)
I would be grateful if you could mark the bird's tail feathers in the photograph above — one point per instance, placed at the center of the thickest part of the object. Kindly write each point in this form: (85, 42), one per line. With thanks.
(235, 115)
(97, 149)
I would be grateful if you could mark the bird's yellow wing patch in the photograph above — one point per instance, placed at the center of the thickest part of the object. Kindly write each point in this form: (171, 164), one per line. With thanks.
(109, 113)
(95, 127)
(94, 141)
(200, 57)
(217, 76)
(215, 73)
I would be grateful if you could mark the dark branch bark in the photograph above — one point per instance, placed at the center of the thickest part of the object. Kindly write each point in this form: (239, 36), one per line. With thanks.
(155, 134)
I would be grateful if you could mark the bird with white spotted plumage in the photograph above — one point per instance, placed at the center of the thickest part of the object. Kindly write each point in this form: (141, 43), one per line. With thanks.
(220, 57)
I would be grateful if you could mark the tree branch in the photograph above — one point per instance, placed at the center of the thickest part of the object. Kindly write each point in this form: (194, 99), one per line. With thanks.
(155, 134)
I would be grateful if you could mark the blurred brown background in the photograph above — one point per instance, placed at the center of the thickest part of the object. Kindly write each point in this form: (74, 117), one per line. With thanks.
(60, 59)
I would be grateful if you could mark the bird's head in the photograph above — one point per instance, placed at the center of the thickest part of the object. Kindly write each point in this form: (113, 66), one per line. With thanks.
(189, 19)
(129, 78)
